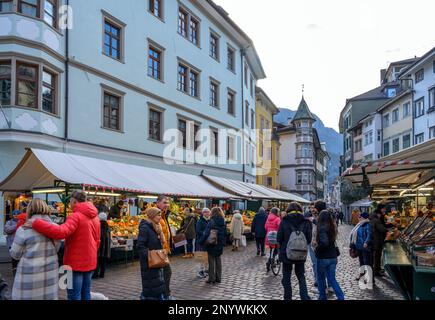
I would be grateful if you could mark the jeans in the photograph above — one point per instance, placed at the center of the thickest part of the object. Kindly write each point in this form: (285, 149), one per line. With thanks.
(314, 263)
(365, 258)
(377, 257)
(167, 274)
(214, 268)
(81, 286)
(326, 270)
(260, 244)
(286, 280)
(189, 246)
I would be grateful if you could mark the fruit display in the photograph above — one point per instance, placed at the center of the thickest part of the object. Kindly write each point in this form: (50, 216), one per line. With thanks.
(127, 227)
(248, 216)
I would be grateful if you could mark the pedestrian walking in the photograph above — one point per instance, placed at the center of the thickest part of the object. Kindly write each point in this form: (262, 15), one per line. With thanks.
(188, 227)
(326, 252)
(81, 232)
(237, 228)
(272, 227)
(214, 241)
(259, 230)
(37, 276)
(104, 248)
(290, 238)
(163, 204)
(341, 217)
(151, 238)
(379, 231)
(200, 250)
(361, 241)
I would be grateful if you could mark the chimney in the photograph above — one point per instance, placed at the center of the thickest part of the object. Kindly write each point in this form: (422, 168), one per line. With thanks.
(383, 73)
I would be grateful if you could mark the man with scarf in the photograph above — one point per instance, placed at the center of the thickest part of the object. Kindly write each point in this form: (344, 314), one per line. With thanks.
(361, 240)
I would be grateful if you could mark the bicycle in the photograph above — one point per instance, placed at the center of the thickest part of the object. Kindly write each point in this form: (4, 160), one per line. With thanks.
(273, 263)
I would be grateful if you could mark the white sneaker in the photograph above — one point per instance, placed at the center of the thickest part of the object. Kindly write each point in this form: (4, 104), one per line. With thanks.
(330, 290)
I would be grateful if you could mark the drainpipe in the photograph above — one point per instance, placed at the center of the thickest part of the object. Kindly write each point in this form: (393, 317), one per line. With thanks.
(66, 80)
(242, 55)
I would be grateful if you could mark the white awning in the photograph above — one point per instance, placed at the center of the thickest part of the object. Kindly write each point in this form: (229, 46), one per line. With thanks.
(253, 191)
(40, 168)
(362, 203)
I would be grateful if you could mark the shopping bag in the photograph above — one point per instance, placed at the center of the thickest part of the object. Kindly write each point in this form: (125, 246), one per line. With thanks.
(179, 240)
(243, 242)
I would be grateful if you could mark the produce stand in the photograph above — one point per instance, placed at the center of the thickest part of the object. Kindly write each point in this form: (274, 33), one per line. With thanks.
(399, 267)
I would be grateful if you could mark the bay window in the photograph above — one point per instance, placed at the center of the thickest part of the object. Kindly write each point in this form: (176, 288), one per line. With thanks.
(27, 85)
(5, 82)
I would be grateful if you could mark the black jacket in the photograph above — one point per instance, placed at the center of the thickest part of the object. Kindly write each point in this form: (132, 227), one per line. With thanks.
(105, 240)
(201, 225)
(379, 231)
(298, 222)
(258, 224)
(115, 212)
(153, 283)
(217, 223)
(326, 248)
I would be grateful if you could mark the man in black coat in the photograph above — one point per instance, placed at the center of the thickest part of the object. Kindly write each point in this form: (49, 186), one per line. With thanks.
(379, 232)
(294, 220)
(259, 230)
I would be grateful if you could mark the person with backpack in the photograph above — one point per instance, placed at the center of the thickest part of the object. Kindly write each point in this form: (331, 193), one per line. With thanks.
(326, 252)
(294, 236)
(259, 231)
(361, 241)
(272, 227)
(214, 241)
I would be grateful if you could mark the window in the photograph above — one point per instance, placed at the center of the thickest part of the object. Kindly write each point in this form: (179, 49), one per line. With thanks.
(247, 113)
(368, 138)
(50, 12)
(5, 83)
(155, 7)
(251, 85)
(391, 92)
(214, 143)
(182, 78)
(155, 63)
(182, 134)
(406, 110)
(6, 5)
(379, 135)
(386, 120)
(431, 100)
(196, 137)
(230, 148)
(48, 92)
(231, 59)
(396, 145)
(304, 177)
(304, 151)
(231, 102)
(406, 141)
(193, 83)
(419, 108)
(252, 119)
(395, 115)
(214, 94)
(358, 145)
(269, 181)
(419, 76)
(182, 22)
(155, 125)
(112, 112)
(262, 123)
(27, 85)
(386, 148)
(112, 40)
(194, 32)
(246, 75)
(419, 138)
(431, 132)
(29, 7)
(214, 46)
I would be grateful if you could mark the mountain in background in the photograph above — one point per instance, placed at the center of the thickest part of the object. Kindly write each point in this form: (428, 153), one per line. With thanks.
(333, 139)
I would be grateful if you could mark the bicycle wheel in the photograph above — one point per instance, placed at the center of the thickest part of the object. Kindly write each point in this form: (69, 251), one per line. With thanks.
(276, 266)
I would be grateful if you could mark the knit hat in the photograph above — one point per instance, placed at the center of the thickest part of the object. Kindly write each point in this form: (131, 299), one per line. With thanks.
(102, 216)
(364, 215)
(152, 212)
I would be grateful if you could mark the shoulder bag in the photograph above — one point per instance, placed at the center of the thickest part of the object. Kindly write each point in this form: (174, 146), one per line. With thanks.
(157, 259)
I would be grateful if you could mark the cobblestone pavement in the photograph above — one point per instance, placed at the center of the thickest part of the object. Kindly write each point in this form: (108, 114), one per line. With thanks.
(244, 278)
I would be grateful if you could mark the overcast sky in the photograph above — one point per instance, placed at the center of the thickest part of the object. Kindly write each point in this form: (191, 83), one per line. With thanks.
(335, 47)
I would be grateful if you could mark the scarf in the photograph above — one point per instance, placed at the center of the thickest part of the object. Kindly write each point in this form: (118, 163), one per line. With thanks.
(158, 229)
(354, 232)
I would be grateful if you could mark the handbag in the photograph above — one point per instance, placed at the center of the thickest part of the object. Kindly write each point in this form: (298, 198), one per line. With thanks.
(243, 241)
(157, 259)
(212, 238)
(179, 240)
(353, 253)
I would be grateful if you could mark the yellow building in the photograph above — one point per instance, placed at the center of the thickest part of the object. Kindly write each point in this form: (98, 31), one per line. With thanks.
(267, 141)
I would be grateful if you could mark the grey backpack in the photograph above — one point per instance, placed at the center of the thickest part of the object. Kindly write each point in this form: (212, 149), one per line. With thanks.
(297, 247)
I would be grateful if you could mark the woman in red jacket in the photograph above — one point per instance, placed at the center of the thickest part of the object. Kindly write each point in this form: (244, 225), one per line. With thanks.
(81, 232)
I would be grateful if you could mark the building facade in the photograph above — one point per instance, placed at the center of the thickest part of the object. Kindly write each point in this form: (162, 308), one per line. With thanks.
(302, 158)
(371, 137)
(110, 84)
(267, 142)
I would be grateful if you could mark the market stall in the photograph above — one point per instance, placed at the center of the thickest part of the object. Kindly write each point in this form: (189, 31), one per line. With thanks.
(405, 182)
